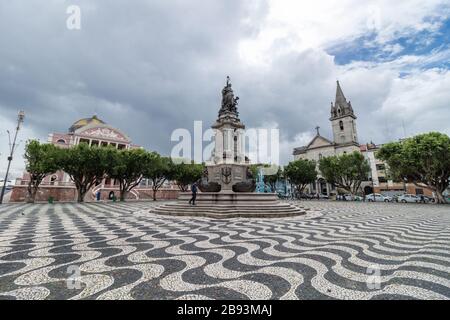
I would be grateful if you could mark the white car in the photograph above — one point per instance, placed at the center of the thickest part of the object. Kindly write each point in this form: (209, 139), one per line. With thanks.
(376, 197)
(349, 197)
(408, 198)
(8, 183)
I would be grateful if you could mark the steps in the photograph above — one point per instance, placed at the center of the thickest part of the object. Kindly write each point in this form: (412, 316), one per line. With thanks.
(230, 205)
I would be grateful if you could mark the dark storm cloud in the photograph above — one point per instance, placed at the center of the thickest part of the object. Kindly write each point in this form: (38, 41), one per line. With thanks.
(147, 67)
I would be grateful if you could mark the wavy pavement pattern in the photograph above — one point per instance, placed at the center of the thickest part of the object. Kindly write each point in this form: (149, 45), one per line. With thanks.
(123, 252)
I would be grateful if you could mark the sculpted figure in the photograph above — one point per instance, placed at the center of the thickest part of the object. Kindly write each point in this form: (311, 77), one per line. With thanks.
(229, 102)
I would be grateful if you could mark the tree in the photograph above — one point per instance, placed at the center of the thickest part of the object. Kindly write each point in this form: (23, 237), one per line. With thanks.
(423, 160)
(254, 170)
(301, 173)
(128, 167)
(186, 174)
(346, 171)
(158, 170)
(86, 166)
(41, 161)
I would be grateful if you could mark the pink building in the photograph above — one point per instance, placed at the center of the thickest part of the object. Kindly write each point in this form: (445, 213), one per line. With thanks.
(59, 186)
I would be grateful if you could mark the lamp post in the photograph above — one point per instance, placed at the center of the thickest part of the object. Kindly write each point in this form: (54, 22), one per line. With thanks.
(20, 118)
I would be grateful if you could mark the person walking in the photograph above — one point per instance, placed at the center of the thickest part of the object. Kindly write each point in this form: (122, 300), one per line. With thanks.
(194, 194)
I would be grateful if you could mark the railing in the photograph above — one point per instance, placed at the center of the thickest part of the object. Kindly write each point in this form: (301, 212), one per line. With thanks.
(47, 184)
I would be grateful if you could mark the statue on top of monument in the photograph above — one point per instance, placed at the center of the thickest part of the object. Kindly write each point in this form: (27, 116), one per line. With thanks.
(229, 102)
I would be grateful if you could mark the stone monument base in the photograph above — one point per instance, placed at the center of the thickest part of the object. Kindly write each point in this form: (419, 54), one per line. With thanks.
(225, 205)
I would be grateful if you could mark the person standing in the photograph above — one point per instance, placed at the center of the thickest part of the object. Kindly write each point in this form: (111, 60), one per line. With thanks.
(194, 194)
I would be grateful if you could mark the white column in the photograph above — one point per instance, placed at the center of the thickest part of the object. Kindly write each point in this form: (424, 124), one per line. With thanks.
(240, 146)
(226, 140)
(229, 144)
(218, 154)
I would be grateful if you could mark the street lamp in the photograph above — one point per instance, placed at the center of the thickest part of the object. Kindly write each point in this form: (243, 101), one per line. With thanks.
(20, 118)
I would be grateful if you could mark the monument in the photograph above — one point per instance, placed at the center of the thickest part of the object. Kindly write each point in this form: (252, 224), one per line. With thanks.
(228, 168)
(228, 185)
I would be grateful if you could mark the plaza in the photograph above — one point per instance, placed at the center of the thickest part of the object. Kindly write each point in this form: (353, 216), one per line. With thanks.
(338, 250)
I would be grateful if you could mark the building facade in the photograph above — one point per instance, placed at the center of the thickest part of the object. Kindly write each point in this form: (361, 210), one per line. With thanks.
(380, 181)
(345, 140)
(59, 186)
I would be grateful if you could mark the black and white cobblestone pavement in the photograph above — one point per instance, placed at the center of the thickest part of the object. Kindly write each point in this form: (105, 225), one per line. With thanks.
(120, 251)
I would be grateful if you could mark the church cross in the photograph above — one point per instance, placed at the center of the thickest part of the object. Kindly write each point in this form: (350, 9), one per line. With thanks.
(317, 129)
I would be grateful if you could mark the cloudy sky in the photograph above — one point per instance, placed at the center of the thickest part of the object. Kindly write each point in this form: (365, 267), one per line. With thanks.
(151, 66)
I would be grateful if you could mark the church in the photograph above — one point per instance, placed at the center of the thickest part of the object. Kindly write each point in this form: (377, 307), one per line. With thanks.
(345, 140)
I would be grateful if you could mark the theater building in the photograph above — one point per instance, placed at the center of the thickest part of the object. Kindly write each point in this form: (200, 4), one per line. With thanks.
(59, 186)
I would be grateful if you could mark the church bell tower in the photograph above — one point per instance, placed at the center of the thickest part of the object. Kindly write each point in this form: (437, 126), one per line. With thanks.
(343, 121)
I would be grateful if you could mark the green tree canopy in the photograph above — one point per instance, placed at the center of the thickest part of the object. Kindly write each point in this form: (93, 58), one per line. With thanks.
(86, 166)
(254, 170)
(301, 173)
(158, 170)
(423, 160)
(128, 167)
(346, 171)
(41, 161)
(187, 173)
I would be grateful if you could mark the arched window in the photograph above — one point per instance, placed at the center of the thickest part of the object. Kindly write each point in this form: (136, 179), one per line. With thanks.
(341, 125)
(61, 141)
(53, 179)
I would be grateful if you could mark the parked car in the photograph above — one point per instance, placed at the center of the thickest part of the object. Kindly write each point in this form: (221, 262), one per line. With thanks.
(408, 198)
(427, 199)
(376, 197)
(349, 197)
(9, 184)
